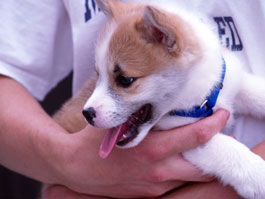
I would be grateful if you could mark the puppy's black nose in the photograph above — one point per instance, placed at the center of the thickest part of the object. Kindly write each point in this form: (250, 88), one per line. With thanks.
(89, 114)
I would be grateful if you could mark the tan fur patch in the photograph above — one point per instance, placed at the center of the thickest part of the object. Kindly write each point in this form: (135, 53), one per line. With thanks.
(70, 115)
(136, 56)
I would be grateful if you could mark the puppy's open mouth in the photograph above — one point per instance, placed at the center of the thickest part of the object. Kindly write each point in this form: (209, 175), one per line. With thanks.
(125, 132)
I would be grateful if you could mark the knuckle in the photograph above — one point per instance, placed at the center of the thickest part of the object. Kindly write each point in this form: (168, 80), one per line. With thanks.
(162, 151)
(150, 150)
(156, 153)
(202, 135)
(149, 155)
(157, 175)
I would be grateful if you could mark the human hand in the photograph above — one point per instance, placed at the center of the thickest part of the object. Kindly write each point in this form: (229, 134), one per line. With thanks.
(58, 192)
(148, 170)
(213, 190)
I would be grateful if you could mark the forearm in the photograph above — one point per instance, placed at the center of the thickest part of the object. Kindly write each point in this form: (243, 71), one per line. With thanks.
(25, 133)
(33, 144)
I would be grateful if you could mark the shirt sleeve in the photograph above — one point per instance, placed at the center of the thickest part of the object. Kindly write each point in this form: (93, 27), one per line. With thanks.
(35, 43)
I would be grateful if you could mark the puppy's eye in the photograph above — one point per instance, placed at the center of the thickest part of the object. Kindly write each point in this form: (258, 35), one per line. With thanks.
(125, 81)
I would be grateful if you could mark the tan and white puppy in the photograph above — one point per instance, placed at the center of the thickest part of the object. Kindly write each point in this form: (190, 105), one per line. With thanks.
(152, 58)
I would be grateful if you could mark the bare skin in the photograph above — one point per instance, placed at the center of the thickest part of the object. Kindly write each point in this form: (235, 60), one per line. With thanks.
(195, 190)
(171, 168)
(46, 152)
(191, 190)
(213, 189)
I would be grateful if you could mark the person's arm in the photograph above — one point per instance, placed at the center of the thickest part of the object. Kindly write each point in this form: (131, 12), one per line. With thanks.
(25, 132)
(33, 144)
(160, 150)
(214, 189)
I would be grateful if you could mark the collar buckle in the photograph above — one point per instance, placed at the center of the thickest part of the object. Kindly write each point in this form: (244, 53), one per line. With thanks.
(204, 104)
(206, 108)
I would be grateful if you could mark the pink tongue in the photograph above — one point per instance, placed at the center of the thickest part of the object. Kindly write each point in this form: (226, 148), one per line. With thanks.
(111, 138)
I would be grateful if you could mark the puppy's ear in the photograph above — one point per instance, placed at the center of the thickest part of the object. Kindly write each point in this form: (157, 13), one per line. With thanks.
(157, 27)
(107, 6)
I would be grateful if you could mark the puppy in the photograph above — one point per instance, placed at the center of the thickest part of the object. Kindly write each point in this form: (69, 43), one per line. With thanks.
(160, 67)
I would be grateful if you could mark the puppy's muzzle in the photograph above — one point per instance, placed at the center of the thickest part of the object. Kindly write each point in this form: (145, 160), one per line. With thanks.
(89, 114)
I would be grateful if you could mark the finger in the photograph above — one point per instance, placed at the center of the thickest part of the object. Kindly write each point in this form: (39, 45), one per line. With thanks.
(213, 190)
(177, 168)
(161, 188)
(162, 143)
(58, 191)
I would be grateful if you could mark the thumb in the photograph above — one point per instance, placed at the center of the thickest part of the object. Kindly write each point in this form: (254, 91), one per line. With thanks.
(186, 137)
(204, 129)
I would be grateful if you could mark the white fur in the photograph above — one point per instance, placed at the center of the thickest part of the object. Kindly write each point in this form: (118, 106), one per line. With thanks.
(102, 98)
(222, 156)
(233, 163)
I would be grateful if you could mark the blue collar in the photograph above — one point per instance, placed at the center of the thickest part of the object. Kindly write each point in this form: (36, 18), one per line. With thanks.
(206, 108)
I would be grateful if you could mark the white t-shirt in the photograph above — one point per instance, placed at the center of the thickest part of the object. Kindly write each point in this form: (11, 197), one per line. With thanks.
(42, 41)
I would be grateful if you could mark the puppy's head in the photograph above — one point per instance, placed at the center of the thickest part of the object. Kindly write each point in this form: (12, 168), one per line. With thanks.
(143, 57)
